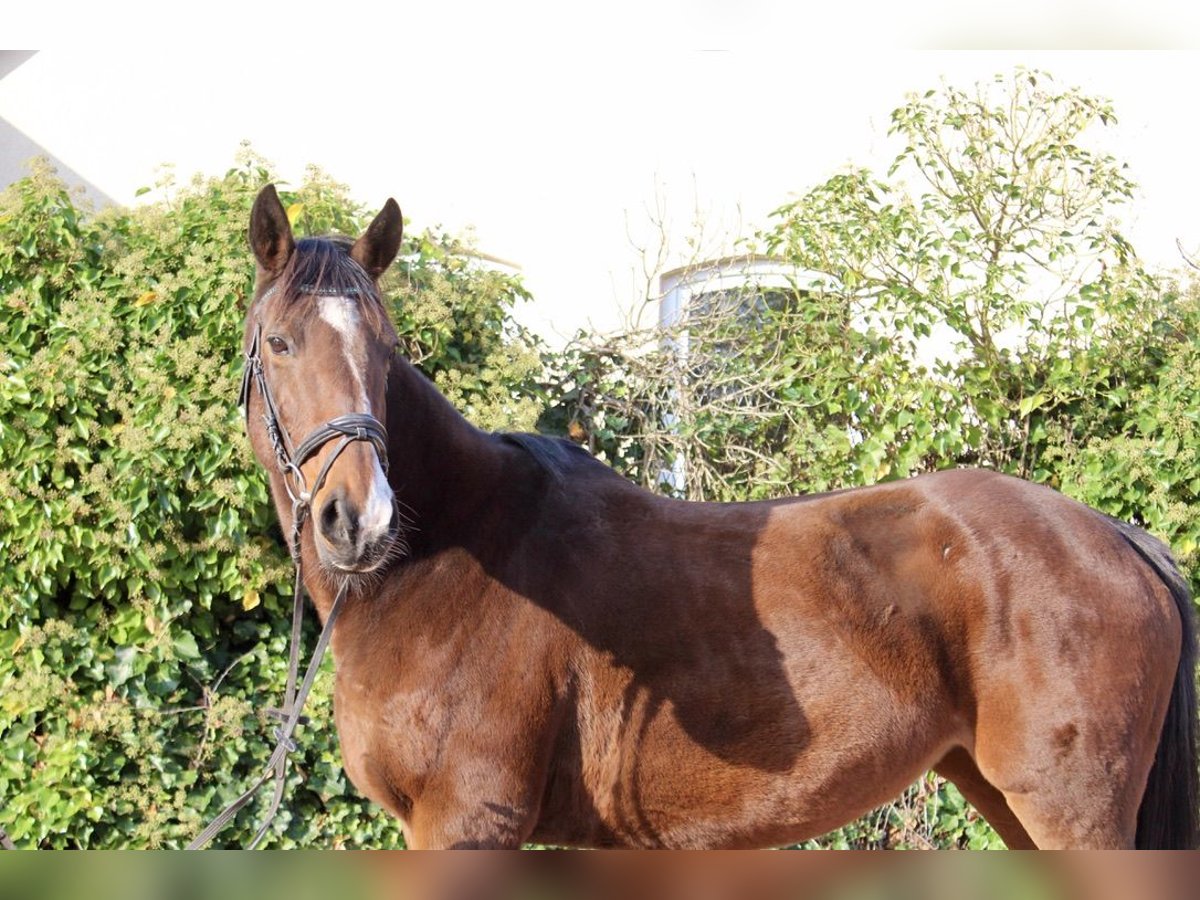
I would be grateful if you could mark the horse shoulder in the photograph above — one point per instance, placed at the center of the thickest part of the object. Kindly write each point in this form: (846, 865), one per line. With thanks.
(446, 673)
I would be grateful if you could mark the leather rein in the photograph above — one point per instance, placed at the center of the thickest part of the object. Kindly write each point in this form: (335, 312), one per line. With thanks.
(289, 458)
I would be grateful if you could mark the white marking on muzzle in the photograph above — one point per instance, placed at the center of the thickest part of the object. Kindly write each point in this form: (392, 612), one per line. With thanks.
(378, 514)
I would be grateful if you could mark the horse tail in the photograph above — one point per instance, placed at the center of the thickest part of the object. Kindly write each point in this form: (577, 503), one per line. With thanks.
(1169, 817)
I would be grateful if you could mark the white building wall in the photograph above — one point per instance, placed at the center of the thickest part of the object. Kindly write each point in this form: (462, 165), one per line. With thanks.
(678, 291)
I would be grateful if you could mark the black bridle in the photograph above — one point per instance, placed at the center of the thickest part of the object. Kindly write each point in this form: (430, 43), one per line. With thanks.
(289, 458)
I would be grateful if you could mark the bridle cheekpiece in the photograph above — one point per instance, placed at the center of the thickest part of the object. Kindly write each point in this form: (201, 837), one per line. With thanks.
(288, 457)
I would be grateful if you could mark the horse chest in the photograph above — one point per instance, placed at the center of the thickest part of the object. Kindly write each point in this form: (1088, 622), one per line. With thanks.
(391, 738)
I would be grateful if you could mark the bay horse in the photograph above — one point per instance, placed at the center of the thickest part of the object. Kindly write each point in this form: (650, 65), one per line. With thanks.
(535, 649)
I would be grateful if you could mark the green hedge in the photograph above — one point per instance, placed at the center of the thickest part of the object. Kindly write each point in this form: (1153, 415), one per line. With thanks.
(145, 596)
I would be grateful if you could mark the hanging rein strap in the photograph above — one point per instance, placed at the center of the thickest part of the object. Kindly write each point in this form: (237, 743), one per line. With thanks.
(277, 765)
(349, 428)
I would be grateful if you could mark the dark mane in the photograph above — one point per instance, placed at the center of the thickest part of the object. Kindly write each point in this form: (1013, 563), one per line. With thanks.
(556, 455)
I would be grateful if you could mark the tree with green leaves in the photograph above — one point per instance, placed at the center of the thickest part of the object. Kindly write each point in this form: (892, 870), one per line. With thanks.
(992, 238)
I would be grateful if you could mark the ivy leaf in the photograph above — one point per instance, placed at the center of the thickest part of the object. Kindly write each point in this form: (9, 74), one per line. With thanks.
(184, 643)
(121, 668)
(1029, 404)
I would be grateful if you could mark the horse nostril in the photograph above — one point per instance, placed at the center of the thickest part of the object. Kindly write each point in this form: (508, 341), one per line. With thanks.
(339, 523)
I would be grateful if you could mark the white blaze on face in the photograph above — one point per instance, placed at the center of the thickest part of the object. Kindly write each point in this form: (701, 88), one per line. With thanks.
(341, 313)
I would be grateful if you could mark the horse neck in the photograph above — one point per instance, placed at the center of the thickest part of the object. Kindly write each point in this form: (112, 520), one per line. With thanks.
(439, 462)
(440, 467)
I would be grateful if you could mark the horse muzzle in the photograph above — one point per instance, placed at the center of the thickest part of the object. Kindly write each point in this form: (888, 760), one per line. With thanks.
(352, 537)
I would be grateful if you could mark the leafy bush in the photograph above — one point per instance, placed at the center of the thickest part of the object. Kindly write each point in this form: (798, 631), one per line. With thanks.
(144, 601)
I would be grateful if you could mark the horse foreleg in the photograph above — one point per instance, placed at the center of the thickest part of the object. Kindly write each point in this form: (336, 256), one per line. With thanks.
(479, 802)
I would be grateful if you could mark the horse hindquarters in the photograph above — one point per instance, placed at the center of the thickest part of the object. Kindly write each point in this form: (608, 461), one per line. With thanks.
(1067, 727)
(1169, 816)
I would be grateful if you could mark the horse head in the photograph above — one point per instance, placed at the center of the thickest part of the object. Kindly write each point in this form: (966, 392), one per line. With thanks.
(318, 347)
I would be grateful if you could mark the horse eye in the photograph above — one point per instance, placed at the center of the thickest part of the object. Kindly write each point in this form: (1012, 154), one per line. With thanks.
(278, 344)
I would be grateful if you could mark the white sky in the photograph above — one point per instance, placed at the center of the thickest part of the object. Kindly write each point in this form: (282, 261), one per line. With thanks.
(556, 154)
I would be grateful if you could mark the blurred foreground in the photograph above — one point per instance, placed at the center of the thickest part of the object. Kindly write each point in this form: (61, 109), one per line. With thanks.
(581, 876)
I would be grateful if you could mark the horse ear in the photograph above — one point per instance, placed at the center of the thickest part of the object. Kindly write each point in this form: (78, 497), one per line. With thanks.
(270, 232)
(378, 246)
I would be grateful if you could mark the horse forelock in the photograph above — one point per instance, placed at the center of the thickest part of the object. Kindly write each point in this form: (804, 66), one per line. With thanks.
(319, 267)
